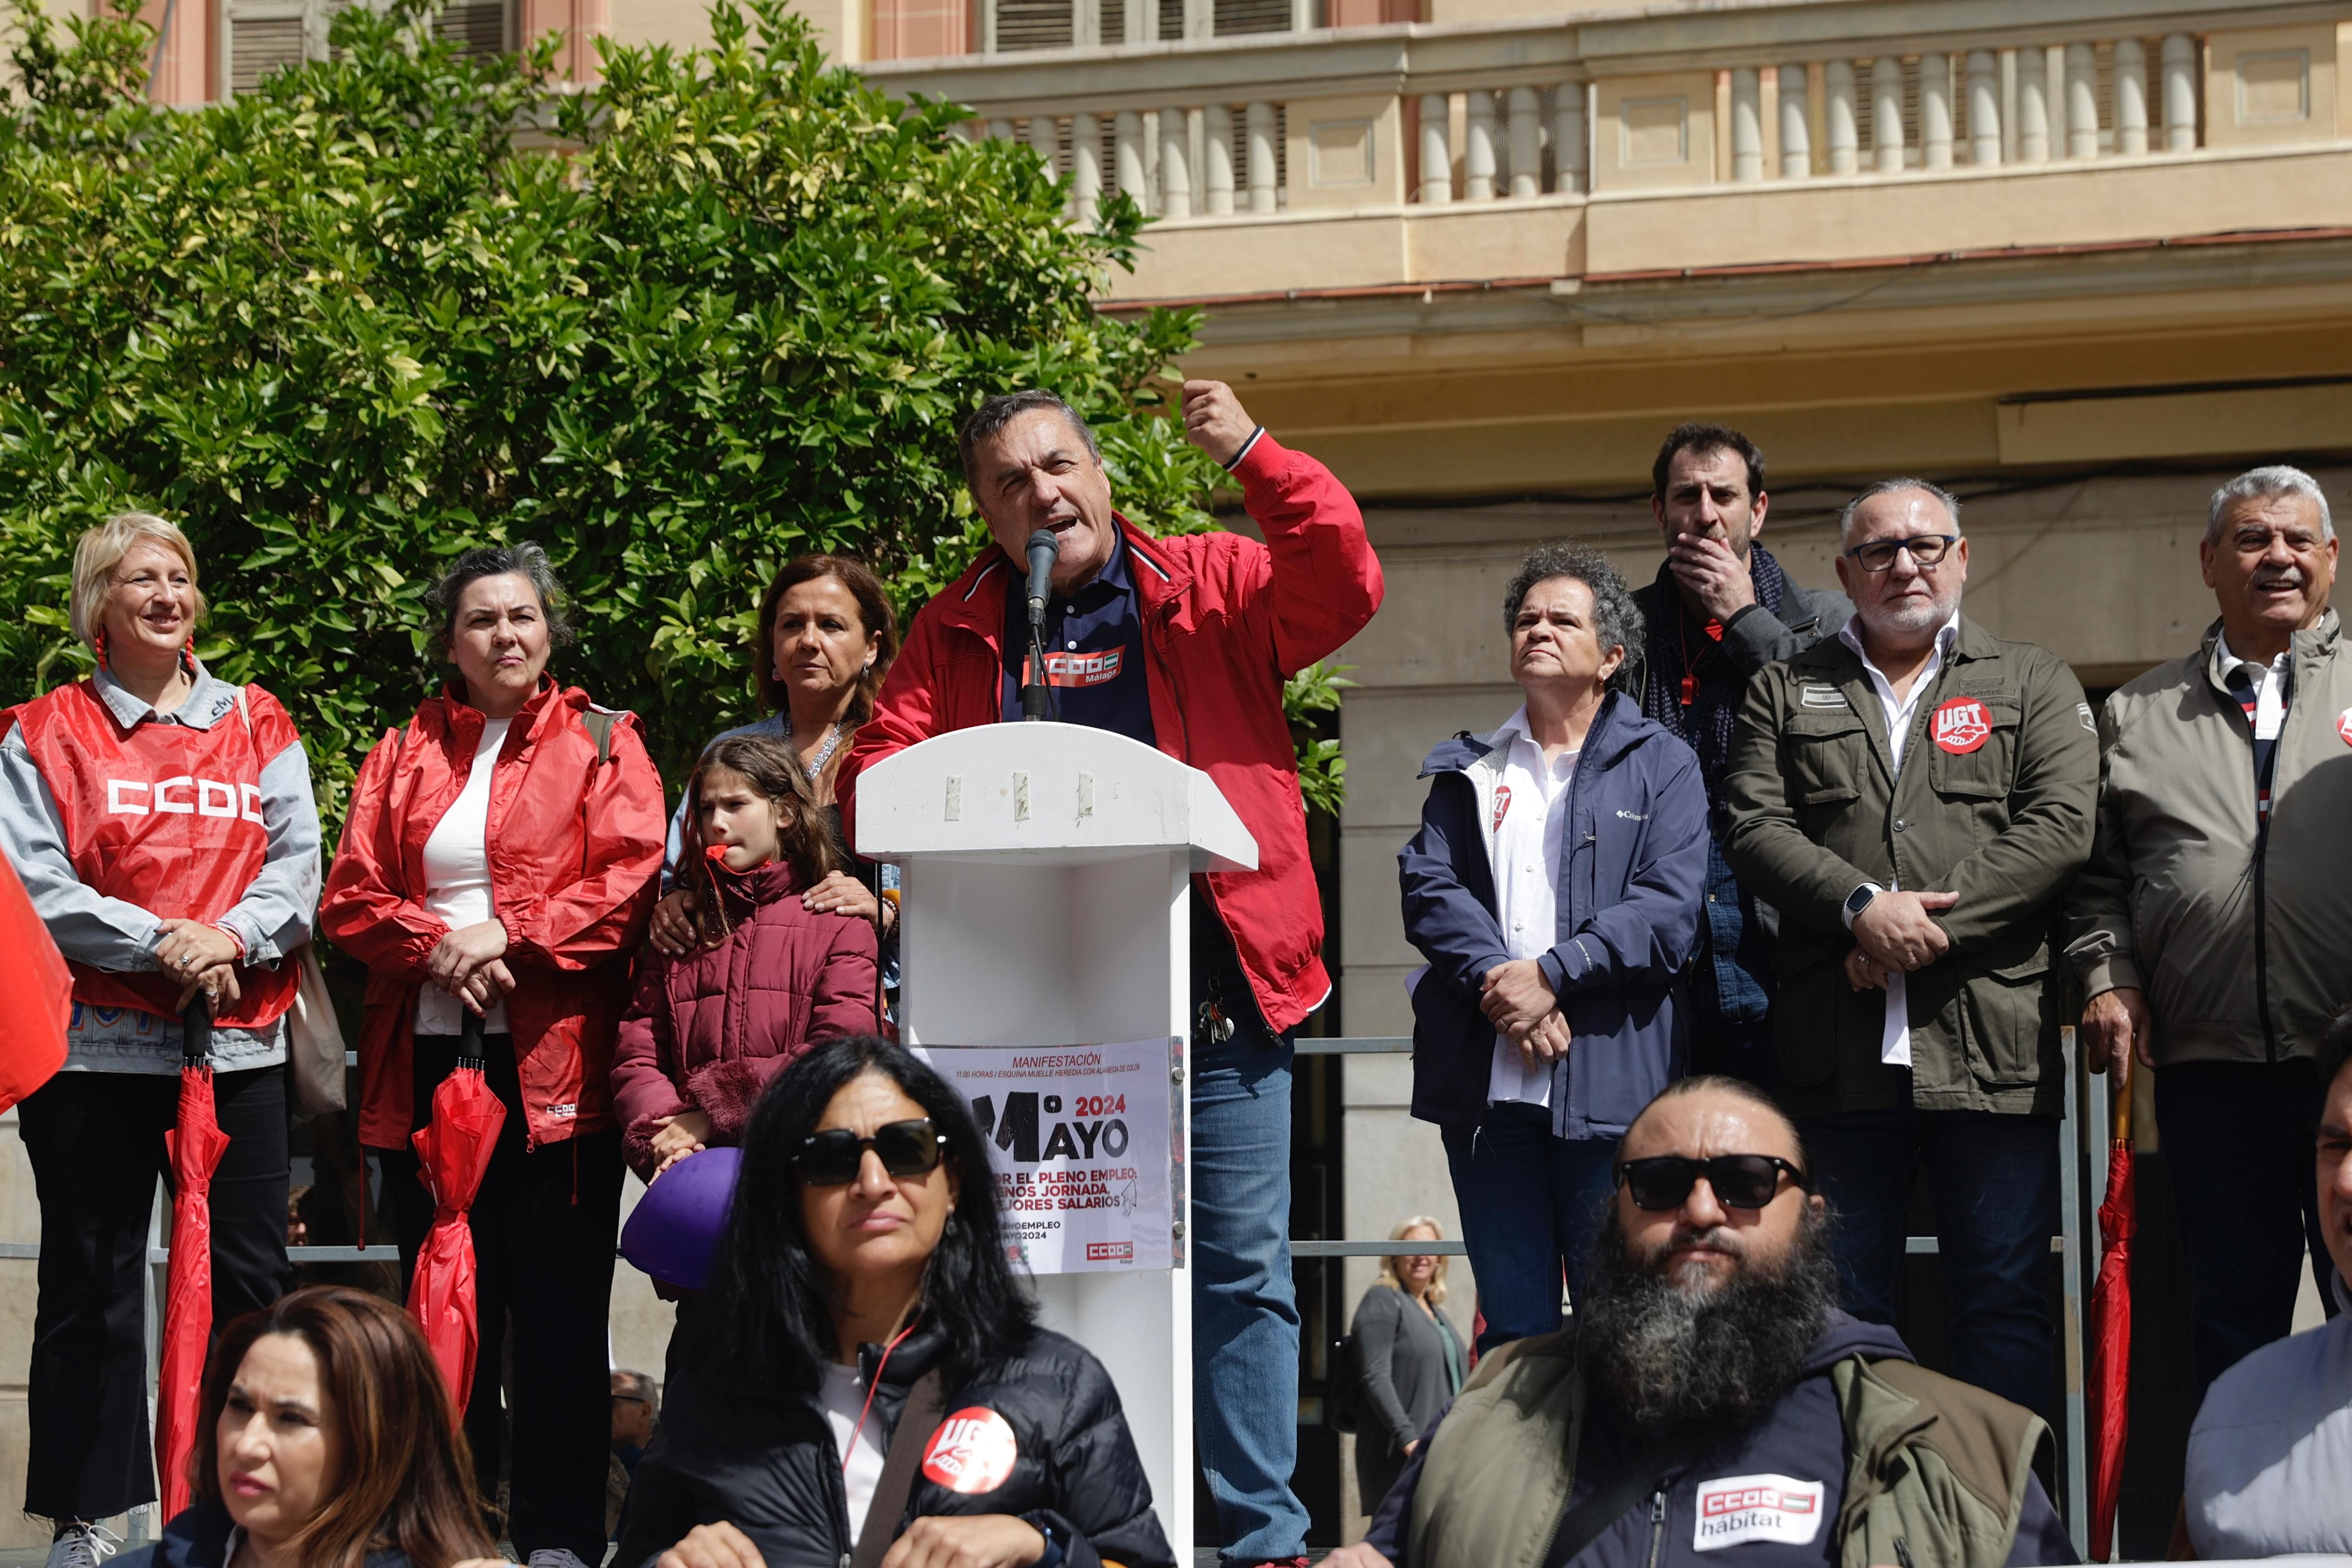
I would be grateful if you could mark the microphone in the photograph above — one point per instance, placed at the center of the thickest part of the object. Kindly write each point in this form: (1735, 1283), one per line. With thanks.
(1044, 550)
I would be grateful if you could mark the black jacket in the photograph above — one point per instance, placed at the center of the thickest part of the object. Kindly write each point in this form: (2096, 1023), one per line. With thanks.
(767, 1464)
(197, 1537)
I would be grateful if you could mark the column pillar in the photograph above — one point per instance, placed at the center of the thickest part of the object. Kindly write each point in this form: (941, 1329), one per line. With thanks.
(1259, 127)
(1086, 167)
(1984, 109)
(1886, 114)
(2033, 108)
(1746, 124)
(1935, 111)
(1175, 157)
(2082, 101)
(1129, 157)
(1436, 150)
(1478, 156)
(1839, 118)
(1796, 125)
(1217, 158)
(2131, 97)
(1567, 137)
(2179, 92)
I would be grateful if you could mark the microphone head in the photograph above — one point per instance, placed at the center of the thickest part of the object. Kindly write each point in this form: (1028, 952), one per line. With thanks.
(1048, 540)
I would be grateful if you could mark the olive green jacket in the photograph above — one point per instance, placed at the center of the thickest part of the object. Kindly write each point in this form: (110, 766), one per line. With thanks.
(1935, 1472)
(1997, 804)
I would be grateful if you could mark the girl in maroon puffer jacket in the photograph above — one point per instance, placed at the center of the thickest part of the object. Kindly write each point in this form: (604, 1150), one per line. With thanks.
(768, 977)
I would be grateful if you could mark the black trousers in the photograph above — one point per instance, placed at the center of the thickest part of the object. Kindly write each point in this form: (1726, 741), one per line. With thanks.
(95, 1141)
(544, 1226)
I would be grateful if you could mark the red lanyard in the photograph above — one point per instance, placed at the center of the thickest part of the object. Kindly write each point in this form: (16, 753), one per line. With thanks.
(850, 1446)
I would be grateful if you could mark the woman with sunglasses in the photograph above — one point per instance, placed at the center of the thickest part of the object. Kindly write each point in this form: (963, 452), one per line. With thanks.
(861, 1317)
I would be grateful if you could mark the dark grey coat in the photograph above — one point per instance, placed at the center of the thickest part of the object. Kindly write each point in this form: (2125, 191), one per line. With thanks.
(1411, 1367)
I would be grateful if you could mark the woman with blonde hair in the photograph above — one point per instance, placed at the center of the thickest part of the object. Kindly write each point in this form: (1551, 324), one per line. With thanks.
(162, 823)
(327, 1441)
(1411, 1358)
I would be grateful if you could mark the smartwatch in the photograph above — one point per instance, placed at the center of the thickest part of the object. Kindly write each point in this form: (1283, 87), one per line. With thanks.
(1859, 900)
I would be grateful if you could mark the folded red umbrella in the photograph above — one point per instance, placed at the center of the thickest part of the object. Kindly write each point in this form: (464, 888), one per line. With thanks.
(2111, 1325)
(453, 1155)
(195, 1146)
(39, 989)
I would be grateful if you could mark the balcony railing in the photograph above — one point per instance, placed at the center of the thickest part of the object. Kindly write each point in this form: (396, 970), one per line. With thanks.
(1670, 100)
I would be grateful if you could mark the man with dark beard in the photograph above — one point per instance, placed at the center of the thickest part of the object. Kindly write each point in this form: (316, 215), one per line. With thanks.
(1710, 1397)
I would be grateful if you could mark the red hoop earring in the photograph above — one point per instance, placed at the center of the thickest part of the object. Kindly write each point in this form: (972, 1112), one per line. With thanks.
(98, 642)
(188, 655)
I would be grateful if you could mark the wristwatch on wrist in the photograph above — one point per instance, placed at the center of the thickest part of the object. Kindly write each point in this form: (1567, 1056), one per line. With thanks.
(1859, 900)
(1056, 1551)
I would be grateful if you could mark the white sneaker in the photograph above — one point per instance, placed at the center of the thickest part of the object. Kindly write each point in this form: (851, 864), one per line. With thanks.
(83, 1546)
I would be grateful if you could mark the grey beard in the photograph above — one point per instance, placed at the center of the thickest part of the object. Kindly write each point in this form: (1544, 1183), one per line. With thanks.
(1659, 1355)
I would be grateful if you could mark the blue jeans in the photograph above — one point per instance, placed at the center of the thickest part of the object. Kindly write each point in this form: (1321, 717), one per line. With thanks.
(1531, 1206)
(1994, 1181)
(2238, 1145)
(1244, 1301)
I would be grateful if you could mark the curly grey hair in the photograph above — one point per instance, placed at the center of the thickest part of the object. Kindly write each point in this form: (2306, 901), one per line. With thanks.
(2262, 485)
(1617, 619)
(525, 560)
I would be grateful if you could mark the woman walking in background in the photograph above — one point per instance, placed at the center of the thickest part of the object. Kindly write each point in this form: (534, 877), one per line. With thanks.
(327, 1441)
(766, 976)
(499, 860)
(163, 824)
(825, 641)
(1412, 1359)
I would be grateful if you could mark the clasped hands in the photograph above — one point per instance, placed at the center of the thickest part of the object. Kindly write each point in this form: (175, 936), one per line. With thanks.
(1520, 1003)
(935, 1541)
(470, 964)
(204, 959)
(1895, 933)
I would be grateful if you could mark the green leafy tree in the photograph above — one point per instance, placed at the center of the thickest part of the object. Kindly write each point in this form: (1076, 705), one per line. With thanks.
(727, 308)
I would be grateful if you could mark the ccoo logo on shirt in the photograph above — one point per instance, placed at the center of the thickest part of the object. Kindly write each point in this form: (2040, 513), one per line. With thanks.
(1740, 1509)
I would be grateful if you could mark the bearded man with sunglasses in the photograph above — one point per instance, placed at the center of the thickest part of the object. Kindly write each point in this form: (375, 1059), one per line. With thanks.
(1710, 1398)
(1914, 796)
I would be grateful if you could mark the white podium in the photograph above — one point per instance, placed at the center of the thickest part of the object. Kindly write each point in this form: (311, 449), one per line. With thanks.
(1047, 903)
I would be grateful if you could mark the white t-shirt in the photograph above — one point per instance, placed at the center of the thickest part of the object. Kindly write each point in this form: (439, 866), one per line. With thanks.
(1894, 1037)
(1528, 824)
(457, 879)
(845, 1400)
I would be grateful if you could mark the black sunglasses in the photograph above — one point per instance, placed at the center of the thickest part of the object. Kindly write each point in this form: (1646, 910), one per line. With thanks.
(1738, 1181)
(831, 1158)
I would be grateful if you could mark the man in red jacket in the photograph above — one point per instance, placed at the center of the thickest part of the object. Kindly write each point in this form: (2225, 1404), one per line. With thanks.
(1182, 644)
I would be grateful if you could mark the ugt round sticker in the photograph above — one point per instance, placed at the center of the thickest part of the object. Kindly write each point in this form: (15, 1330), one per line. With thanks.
(1960, 726)
(2344, 725)
(973, 1452)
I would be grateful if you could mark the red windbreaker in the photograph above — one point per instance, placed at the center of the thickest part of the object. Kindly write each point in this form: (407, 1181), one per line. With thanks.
(1225, 621)
(165, 817)
(575, 850)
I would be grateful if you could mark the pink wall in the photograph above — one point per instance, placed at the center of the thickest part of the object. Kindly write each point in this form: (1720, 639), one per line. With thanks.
(582, 22)
(184, 73)
(915, 29)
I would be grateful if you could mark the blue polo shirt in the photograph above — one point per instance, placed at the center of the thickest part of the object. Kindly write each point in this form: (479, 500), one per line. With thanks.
(1094, 651)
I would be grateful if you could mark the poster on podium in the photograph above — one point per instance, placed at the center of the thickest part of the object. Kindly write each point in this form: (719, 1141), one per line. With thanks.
(1085, 1143)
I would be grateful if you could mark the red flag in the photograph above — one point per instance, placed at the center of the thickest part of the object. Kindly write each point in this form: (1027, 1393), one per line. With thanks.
(39, 989)
(2111, 1325)
(453, 1155)
(195, 1146)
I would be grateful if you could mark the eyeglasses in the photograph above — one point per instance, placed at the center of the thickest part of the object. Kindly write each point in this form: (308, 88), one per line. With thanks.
(1738, 1181)
(831, 1158)
(1926, 549)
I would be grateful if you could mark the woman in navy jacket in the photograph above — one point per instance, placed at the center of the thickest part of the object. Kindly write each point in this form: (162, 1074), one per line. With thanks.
(1554, 887)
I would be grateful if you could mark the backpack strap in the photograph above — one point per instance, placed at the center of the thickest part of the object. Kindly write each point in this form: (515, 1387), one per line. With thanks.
(926, 1408)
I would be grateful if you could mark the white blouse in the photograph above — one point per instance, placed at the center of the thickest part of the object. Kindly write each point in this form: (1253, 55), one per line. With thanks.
(457, 879)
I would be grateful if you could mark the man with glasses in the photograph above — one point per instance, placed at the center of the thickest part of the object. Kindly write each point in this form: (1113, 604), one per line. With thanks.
(2209, 930)
(1709, 1403)
(1719, 609)
(1914, 796)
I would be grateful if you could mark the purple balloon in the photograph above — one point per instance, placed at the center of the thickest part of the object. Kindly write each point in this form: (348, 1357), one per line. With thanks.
(673, 1234)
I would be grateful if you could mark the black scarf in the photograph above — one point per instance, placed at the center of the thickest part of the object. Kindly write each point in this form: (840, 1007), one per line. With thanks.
(1706, 725)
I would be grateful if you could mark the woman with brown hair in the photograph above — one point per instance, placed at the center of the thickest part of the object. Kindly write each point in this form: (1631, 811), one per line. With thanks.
(332, 1443)
(827, 636)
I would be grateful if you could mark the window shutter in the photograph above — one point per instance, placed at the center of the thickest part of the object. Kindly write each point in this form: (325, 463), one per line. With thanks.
(476, 26)
(258, 36)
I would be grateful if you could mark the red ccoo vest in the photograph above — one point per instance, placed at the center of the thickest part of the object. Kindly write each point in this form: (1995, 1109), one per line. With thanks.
(167, 818)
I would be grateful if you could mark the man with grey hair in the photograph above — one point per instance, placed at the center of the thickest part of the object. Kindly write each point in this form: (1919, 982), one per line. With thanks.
(1554, 887)
(1914, 796)
(2209, 929)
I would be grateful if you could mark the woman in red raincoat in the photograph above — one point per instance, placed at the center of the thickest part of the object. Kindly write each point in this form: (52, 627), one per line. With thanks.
(162, 823)
(500, 859)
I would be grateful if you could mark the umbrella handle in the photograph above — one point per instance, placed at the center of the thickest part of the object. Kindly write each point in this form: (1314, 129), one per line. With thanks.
(197, 1034)
(2119, 1100)
(470, 1044)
